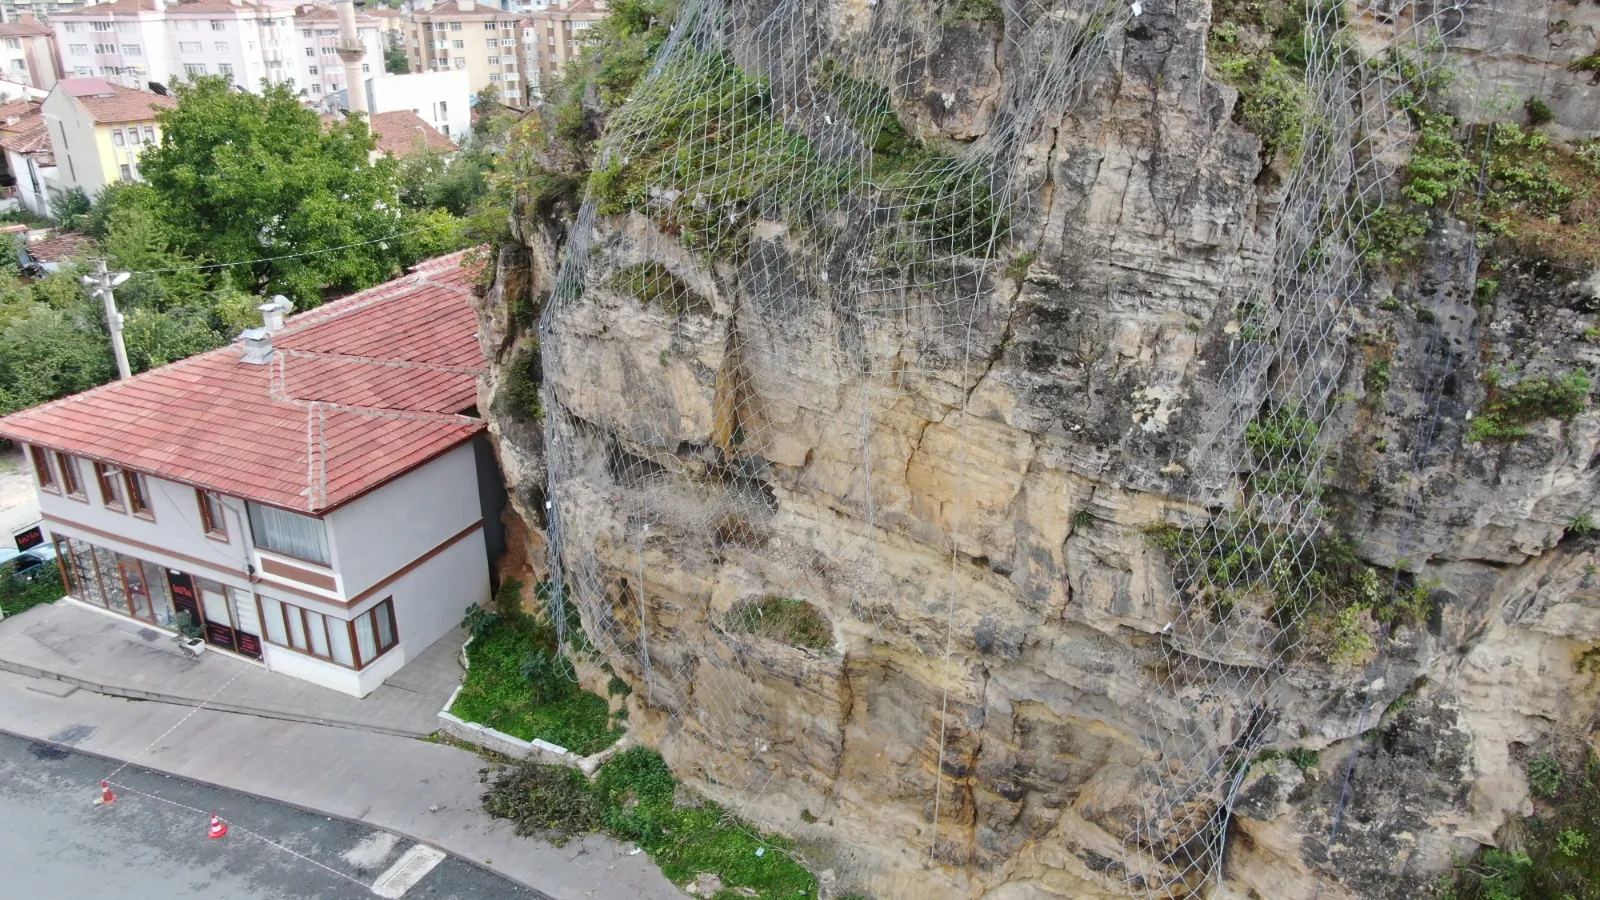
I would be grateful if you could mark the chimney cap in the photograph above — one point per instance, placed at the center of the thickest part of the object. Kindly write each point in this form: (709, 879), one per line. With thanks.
(257, 346)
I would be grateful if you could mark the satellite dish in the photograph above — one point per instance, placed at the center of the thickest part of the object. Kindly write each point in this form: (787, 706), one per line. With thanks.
(159, 88)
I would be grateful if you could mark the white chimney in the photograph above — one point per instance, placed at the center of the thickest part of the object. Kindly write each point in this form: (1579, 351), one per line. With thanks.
(273, 311)
(257, 346)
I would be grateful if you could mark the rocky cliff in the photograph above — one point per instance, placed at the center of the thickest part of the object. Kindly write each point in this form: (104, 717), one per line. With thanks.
(1174, 419)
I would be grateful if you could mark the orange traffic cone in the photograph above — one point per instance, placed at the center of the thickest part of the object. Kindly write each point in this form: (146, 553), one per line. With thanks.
(106, 797)
(218, 828)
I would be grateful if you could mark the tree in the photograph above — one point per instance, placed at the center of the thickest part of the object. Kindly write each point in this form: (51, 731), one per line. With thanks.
(247, 177)
(395, 61)
(48, 353)
(488, 95)
(69, 208)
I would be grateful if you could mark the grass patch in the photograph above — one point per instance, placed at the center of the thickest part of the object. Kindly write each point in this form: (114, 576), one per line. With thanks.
(43, 586)
(634, 797)
(1511, 408)
(520, 378)
(784, 619)
(521, 683)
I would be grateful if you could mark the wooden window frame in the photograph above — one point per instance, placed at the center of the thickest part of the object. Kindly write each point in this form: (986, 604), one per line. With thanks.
(285, 610)
(42, 473)
(71, 484)
(217, 530)
(138, 499)
(106, 476)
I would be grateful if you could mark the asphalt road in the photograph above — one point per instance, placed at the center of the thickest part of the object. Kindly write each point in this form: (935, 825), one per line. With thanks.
(56, 845)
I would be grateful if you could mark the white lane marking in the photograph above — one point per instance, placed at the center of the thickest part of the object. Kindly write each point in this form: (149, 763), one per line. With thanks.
(407, 871)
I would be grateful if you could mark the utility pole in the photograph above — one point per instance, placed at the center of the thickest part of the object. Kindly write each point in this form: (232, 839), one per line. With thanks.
(101, 283)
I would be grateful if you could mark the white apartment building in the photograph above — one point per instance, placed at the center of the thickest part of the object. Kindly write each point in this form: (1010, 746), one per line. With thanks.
(28, 53)
(191, 490)
(319, 70)
(133, 42)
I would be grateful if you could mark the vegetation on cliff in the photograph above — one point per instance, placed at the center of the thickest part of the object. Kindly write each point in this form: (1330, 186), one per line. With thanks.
(635, 797)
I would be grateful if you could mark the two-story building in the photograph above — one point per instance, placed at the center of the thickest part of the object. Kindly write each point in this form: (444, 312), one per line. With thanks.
(319, 497)
(99, 129)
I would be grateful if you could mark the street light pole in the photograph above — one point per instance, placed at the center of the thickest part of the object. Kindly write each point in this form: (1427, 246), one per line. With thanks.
(101, 284)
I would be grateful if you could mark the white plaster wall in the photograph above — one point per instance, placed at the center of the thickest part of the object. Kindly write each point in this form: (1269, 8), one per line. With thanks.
(177, 527)
(73, 139)
(422, 93)
(431, 599)
(306, 668)
(383, 531)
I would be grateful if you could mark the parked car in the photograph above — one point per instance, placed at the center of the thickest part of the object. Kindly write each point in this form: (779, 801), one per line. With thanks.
(24, 566)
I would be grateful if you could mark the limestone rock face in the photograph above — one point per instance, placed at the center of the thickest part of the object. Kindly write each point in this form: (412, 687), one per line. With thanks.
(972, 529)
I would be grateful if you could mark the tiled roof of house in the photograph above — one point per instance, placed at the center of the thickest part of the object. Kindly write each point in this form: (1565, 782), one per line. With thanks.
(453, 8)
(103, 9)
(16, 109)
(328, 14)
(402, 133)
(359, 391)
(109, 103)
(25, 29)
(384, 12)
(60, 247)
(28, 134)
(214, 6)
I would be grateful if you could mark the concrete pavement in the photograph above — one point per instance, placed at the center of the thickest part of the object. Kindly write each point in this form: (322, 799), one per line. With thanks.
(426, 792)
(125, 658)
(152, 842)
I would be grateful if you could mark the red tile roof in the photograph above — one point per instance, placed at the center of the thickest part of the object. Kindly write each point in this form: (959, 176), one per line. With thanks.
(358, 392)
(60, 247)
(109, 103)
(328, 14)
(102, 9)
(214, 6)
(27, 134)
(402, 131)
(452, 9)
(25, 29)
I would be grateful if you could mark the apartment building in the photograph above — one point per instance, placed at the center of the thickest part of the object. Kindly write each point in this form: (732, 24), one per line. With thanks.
(44, 10)
(28, 53)
(552, 36)
(321, 74)
(98, 130)
(481, 40)
(133, 42)
(246, 42)
(304, 506)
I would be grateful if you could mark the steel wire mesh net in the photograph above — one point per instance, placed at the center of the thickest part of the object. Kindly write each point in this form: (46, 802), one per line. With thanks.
(756, 191)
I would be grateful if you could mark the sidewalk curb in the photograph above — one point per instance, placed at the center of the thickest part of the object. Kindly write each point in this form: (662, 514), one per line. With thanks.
(126, 693)
(476, 863)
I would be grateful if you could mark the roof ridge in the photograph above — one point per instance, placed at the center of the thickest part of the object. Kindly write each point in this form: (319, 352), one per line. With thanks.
(375, 361)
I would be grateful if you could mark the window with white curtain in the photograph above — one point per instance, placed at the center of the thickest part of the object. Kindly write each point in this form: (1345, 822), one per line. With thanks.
(291, 534)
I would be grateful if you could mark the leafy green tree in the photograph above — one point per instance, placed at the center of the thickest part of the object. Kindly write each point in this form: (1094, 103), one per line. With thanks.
(430, 180)
(48, 353)
(395, 61)
(241, 176)
(163, 278)
(155, 338)
(69, 208)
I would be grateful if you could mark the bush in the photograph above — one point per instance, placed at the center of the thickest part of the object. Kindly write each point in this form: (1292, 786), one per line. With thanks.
(783, 619)
(1555, 858)
(1511, 408)
(519, 682)
(1539, 112)
(43, 585)
(634, 798)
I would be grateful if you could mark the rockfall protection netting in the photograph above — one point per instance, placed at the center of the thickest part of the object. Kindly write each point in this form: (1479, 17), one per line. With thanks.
(764, 139)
